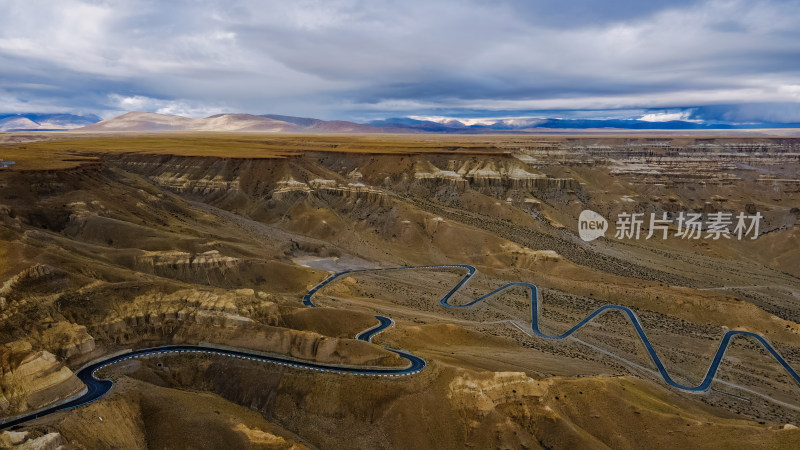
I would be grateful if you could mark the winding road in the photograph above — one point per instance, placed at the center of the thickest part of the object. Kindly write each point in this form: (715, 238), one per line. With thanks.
(703, 386)
(97, 388)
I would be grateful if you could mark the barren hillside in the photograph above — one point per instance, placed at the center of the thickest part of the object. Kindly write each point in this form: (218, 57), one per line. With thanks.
(111, 242)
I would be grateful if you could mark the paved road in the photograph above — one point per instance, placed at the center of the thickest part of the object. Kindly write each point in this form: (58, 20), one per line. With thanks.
(383, 323)
(704, 385)
(99, 387)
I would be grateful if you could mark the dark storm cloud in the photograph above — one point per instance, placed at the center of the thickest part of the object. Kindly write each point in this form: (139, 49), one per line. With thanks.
(715, 60)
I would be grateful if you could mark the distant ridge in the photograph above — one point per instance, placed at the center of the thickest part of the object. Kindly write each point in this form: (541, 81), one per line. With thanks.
(268, 123)
(137, 121)
(144, 121)
(275, 123)
(44, 122)
(546, 125)
(523, 124)
(333, 126)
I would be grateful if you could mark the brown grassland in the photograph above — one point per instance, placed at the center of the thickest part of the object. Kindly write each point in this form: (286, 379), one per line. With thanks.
(65, 150)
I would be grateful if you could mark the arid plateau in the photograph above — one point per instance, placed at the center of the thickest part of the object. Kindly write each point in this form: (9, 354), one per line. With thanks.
(117, 242)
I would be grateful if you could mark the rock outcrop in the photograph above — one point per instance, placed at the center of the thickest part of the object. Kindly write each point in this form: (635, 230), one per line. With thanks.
(161, 314)
(67, 339)
(484, 393)
(22, 440)
(183, 262)
(31, 275)
(31, 379)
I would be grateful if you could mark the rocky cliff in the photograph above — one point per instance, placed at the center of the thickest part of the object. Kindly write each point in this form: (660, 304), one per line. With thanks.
(32, 379)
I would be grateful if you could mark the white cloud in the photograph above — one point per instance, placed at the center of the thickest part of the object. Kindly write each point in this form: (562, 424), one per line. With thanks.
(330, 58)
(666, 116)
(186, 108)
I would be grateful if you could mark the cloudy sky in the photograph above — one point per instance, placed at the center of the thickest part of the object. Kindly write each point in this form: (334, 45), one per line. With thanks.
(736, 61)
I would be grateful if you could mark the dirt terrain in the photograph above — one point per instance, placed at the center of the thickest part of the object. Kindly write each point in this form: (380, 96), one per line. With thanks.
(114, 242)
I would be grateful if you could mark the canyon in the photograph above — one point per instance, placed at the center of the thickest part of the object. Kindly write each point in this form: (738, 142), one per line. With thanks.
(113, 242)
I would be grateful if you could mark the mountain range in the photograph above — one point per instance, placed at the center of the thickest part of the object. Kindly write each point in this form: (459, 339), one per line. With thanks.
(143, 121)
(44, 122)
(273, 123)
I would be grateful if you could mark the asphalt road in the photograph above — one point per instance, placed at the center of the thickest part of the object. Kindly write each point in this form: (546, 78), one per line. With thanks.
(99, 387)
(704, 384)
